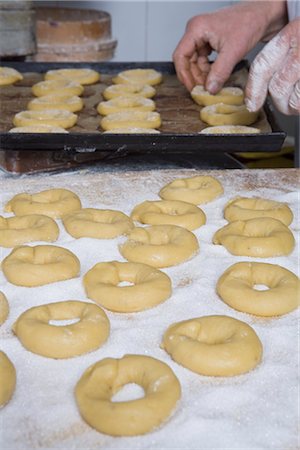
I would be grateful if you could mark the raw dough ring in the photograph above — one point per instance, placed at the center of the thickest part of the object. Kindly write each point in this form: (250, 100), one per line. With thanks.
(82, 76)
(38, 129)
(57, 87)
(97, 223)
(8, 76)
(169, 212)
(126, 103)
(105, 378)
(4, 309)
(18, 230)
(131, 119)
(116, 90)
(230, 129)
(7, 379)
(262, 237)
(222, 114)
(160, 245)
(39, 265)
(244, 208)
(132, 130)
(52, 202)
(150, 286)
(195, 190)
(64, 341)
(139, 76)
(218, 346)
(236, 287)
(228, 95)
(70, 103)
(56, 117)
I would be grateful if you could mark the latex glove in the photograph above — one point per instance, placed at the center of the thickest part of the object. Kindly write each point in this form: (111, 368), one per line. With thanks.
(276, 70)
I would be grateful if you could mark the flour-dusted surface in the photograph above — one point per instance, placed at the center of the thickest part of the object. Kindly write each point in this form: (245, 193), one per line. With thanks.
(257, 410)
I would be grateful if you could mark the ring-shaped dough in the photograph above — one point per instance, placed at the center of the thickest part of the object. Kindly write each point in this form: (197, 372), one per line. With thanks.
(219, 346)
(139, 76)
(126, 103)
(56, 117)
(38, 129)
(72, 104)
(39, 265)
(230, 129)
(222, 114)
(4, 308)
(52, 202)
(101, 381)
(8, 76)
(7, 379)
(228, 95)
(160, 245)
(38, 335)
(19, 230)
(132, 130)
(97, 223)
(169, 212)
(116, 90)
(131, 119)
(57, 87)
(149, 286)
(196, 190)
(236, 287)
(245, 208)
(83, 76)
(263, 237)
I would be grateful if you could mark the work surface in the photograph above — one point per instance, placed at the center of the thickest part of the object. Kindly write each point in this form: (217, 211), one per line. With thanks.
(257, 410)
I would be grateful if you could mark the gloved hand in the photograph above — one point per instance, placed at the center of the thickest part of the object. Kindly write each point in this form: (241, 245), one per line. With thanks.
(276, 70)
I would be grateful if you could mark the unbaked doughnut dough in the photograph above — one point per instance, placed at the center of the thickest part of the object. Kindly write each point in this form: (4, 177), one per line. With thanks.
(19, 230)
(236, 287)
(198, 189)
(132, 130)
(7, 379)
(39, 265)
(4, 308)
(160, 245)
(38, 335)
(8, 76)
(57, 87)
(82, 76)
(149, 287)
(227, 95)
(38, 129)
(126, 103)
(230, 129)
(219, 346)
(101, 381)
(56, 117)
(222, 114)
(131, 119)
(72, 104)
(263, 237)
(139, 76)
(116, 90)
(51, 202)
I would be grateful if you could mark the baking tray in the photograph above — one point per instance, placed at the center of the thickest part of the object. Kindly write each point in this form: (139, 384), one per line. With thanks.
(178, 140)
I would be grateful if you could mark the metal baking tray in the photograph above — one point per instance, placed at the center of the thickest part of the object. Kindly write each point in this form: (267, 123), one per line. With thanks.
(179, 140)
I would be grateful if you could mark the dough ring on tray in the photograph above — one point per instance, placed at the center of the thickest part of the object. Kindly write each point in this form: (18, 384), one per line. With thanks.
(39, 265)
(18, 230)
(101, 381)
(82, 76)
(97, 223)
(195, 190)
(222, 114)
(8, 76)
(139, 76)
(117, 90)
(4, 308)
(230, 129)
(245, 208)
(160, 245)
(132, 130)
(149, 286)
(72, 104)
(56, 117)
(38, 335)
(227, 95)
(7, 379)
(263, 237)
(169, 212)
(131, 119)
(126, 103)
(57, 87)
(51, 202)
(237, 288)
(38, 129)
(219, 346)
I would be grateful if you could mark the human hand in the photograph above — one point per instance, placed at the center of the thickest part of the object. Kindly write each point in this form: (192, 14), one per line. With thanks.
(277, 69)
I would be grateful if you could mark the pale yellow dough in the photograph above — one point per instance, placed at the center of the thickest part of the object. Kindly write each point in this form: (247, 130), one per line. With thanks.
(4, 308)
(131, 119)
(39, 265)
(82, 76)
(7, 379)
(57, 87)
(196, 190)
(19, 230)
(126, 103)
(38, 129)
(236, 287)
(139, 76)
(38, 335)
(228, 95)
(101, 381)
(97, 223)
(51, 202)
(66, 102)
(263, 237)
(230, 129)
(55, 117)
(219, 346)
(245, 208)
(222, 114)
(149, 286)
(132, 130)
(8, 76)
(169, 212)
(160, 245)
(116, 90)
